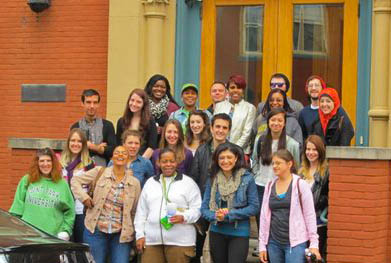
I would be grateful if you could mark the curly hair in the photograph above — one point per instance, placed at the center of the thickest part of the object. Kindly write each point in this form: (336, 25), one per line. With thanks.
(34, 174)
(152, 81)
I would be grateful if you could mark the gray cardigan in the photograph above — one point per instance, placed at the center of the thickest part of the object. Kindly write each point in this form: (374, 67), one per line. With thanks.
(292, 128)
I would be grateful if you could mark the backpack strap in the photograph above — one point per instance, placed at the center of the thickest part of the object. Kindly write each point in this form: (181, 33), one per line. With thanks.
(298, 189)
(93, 185)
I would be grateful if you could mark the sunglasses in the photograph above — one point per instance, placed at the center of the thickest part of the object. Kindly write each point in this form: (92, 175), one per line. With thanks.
(276, 84)
(44, 151)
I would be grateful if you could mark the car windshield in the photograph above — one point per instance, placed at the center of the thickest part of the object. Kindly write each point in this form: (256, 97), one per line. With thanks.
(13, 226)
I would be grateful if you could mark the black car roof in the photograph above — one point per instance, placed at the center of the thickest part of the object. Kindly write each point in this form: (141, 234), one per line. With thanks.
(17, 235)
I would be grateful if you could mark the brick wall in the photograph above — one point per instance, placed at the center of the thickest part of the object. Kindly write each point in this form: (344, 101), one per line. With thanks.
(359, 213)
(66, 44)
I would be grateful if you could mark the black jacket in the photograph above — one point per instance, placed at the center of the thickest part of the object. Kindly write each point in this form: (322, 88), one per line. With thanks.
(149, 136)
(201, 164)
(339, 131)
(320, 191)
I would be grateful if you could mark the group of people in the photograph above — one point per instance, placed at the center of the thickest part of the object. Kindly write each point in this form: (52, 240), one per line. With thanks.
(171, 176)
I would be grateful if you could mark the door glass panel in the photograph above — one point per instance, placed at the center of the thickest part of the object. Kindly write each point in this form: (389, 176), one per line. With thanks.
(239, 43)
(317, 46)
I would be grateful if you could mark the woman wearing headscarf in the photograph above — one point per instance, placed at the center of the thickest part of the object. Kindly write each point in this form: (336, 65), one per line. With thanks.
(334, 125)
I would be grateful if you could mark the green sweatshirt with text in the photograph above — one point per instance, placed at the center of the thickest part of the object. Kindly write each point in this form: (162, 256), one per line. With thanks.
(47, 205)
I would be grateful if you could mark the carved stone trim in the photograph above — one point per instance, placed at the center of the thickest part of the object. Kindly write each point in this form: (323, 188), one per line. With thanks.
(167, 2)
(36, 143)
(155, 8)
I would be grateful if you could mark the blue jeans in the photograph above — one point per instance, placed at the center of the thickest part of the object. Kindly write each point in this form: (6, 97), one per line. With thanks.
(101, 244)
(278, 253)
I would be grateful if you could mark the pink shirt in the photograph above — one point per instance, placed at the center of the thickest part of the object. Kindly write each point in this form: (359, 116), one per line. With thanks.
(171, 107)
(302, 220)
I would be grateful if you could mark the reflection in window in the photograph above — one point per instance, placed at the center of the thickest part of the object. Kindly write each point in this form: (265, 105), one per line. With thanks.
(309, 32)
(251, 36)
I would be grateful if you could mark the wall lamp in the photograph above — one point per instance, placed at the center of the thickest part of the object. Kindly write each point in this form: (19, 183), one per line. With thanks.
(38, 6)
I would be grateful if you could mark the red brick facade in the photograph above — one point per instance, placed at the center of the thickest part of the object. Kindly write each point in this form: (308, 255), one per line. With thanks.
(66, 44)
(359, 211)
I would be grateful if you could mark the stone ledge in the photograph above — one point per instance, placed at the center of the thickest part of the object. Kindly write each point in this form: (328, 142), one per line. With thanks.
(36, 143)
(363, 153)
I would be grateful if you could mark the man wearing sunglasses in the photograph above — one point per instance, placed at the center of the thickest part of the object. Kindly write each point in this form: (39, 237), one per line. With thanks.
(280, 81)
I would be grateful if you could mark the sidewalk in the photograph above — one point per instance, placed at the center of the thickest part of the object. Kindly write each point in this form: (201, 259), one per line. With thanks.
(253, 241)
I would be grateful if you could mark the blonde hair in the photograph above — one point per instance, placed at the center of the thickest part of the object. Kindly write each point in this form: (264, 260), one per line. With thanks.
(322, 162)
(66, 155)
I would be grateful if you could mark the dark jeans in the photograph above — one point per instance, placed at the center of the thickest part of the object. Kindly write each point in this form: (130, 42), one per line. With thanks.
(228, 249)
(102, 244)
(78, 229)
(322, 232)
(261, 191)
(200, 240)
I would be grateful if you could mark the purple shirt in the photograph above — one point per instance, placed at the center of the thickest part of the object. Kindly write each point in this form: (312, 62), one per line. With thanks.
(183, 167)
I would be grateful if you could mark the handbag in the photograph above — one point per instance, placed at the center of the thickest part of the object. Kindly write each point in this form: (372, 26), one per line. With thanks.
(93, 185)
(206, 257)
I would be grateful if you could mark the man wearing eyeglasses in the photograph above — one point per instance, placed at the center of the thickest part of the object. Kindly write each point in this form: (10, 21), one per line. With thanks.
(280, 81)
(314, 85)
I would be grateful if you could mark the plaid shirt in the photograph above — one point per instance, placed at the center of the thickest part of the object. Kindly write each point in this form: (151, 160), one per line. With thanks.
(110, 220)
(181, 115)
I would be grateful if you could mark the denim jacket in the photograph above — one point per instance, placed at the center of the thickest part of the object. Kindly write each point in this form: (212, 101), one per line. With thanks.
(245, 203)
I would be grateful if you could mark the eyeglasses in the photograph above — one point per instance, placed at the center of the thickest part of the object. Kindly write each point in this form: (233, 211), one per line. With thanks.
(314, 86)
(276, 84)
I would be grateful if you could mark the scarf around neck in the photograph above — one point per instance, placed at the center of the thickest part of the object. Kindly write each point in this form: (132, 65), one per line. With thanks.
(325, 118)
(71, 167)
(158, 109)
(226, 187)
(94, 133)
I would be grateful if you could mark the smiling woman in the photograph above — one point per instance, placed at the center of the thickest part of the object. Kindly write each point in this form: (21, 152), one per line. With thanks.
(161, 102)
(110, 220)
(75, 160)
(265, 145)
(230, 199)
(277, 99)
(173, 138)
(333, 125)
(288, 219)
(169, 206)
(198, 131)
(241, 112)
(137, 116)
(42, 193)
